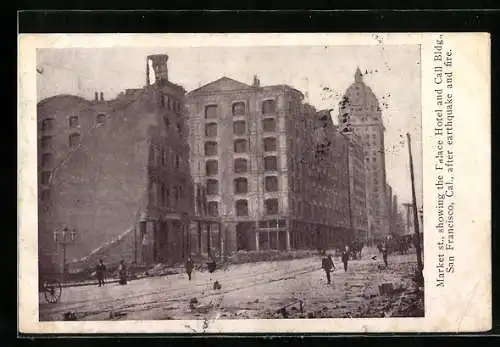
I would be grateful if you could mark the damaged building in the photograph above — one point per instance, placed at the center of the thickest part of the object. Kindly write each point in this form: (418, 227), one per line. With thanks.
(117, 170)
(272, 168)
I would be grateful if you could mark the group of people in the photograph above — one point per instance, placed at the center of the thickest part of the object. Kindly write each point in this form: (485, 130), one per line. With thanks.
(189, 266)
(328, 265)
(101, 273)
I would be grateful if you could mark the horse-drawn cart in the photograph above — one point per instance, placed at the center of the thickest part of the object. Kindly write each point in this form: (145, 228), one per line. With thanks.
(51, 289)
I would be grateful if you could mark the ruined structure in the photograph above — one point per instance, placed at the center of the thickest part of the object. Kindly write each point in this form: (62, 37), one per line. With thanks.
(269, 166)
(116, 169)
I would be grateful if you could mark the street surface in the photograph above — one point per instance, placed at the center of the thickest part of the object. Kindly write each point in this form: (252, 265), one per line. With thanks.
(255, 290)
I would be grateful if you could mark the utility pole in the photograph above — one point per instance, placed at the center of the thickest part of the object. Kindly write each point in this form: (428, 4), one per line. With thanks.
(409, 223)
(415, 211)
(350, 175)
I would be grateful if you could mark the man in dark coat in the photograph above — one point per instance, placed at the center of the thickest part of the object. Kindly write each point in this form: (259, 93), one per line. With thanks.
(100, 273)
(327, 265)
(189, 267)
(345, 257)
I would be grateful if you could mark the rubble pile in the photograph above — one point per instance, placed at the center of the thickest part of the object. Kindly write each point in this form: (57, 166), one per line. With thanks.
(269, 255)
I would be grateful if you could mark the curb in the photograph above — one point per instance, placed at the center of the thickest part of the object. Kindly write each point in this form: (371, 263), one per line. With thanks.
(84, 284)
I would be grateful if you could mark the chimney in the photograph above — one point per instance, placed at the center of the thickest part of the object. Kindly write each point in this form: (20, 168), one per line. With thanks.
(102, 96)
(96, 96)
(159, 64)
(256, 82)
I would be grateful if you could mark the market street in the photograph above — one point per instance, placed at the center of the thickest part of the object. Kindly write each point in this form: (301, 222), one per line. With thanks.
(254, 290)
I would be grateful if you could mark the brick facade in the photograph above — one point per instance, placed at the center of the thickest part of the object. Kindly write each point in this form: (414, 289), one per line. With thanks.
(253, 150)
(115, 166)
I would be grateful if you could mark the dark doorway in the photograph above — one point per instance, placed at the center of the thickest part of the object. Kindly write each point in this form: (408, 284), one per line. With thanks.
(243, 236)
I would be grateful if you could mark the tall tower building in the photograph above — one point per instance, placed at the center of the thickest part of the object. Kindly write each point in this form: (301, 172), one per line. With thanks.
(360, 113)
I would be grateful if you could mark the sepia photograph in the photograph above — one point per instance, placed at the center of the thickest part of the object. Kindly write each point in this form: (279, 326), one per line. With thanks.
(229, 183)
(254, 183)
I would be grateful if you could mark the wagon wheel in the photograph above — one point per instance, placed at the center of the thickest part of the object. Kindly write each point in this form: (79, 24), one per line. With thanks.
(52, 290)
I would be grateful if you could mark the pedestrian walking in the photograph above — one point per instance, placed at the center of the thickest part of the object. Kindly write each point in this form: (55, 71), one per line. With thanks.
(345, 257)
(122, 273)
(189, 267)
(101, 273)
(327, 265)
(384, 253)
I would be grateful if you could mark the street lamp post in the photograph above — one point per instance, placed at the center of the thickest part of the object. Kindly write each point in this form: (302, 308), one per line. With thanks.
(64, 237)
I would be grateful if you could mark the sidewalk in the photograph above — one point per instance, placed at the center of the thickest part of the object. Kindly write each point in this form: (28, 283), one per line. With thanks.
(85, 283)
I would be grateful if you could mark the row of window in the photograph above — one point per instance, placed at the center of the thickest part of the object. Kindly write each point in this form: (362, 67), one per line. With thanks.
(159, 156)
(241, 185)
(239, 127)
(241, 165)
(165, 194)
(168, 124)
(240, 109)
(48, 123)
(46, 141)
(45, 177)
(170, 103)
(241, 207)
(241, 146)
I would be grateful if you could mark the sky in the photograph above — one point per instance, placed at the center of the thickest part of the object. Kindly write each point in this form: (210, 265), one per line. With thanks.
(322, 73)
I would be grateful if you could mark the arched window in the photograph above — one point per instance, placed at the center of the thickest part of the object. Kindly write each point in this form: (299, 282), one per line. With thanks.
(241, 208)
(270, 163)
(211, 167)
(212, 187)
(239, 127)
(101, 117)
(211, 148)
(47, 124)
(74, 139)
(46, 160)
(268, 106)
(271, 183)
(73, 121)
(271, 206)
(211, 129)
(240, 165)
(46, 142)
(270, 144)
(166, 121)
(240, 185)
(269, 124)
(239, 109)
(240, 146)
(211, 111)
(213, 208)
(45, 177)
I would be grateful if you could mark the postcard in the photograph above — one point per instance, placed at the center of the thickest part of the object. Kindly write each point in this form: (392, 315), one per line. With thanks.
(254, 183)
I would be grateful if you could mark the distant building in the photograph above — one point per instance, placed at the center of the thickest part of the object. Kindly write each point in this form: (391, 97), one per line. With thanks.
(357, 184)
(253, 152)
(360, 112)
(114, 169)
